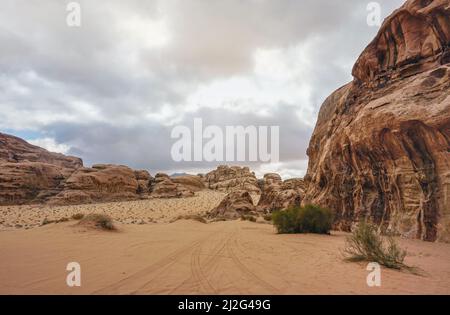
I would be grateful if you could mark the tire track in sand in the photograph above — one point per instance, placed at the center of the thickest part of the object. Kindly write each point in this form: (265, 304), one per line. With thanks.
(250, 275)
(158, 266)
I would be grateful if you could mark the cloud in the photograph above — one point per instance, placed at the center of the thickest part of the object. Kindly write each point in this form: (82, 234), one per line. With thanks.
(112, 90)
(50, 145)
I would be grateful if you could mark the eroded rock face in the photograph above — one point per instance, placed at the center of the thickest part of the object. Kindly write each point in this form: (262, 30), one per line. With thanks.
(164, 187)
(381, 146)
(30, 182)
(234, 205)
(99, 184)
(228, 179)
(279, 195)
(16, 150)
(415, 38)
(29, 173)
(144, 179)
(191, 182)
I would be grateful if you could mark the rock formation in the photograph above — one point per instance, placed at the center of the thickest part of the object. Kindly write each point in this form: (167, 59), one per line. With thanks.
(26, 182)
(29, 174)
(191, 182)
(415, 38)
(99, 184)
(381, 146)
(16, 150)
(278, 195)
(233, 206)
(228, 179)
(164, 187)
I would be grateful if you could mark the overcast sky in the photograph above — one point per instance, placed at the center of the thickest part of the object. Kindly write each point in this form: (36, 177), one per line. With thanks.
(111, 90)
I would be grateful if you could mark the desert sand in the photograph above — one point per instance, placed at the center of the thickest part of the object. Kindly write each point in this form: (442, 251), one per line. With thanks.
(127, 212)
(189, 257)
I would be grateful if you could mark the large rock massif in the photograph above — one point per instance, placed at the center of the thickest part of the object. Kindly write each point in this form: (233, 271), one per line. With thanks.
(381, 147)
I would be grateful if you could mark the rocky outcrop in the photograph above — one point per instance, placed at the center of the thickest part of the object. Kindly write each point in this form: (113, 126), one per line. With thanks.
(278, 195)
(16, 150)
(381, 146)
(26, 182)
(99, 184)
(191, 182)
(144, 179)
(29, 173)
(164, 187)
(414, 39)
(228, 179)
(234, 206)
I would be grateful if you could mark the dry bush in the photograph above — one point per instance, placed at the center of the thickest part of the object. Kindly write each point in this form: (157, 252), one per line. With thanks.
(101, 221)
(78, 216)
(365, 244)
(194, 217)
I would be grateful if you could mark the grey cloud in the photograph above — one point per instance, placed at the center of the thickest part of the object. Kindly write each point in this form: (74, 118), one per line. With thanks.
(47, 68)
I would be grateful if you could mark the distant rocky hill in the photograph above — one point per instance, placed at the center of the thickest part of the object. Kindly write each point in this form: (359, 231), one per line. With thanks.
(29, 174)
(381, 146)
(16, 150)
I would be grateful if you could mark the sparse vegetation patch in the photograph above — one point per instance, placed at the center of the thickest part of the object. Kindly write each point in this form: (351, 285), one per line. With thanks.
(366, 244)
(308, 219)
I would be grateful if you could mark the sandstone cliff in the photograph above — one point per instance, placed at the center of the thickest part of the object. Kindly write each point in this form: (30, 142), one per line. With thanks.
(29, 173)
(381, 147)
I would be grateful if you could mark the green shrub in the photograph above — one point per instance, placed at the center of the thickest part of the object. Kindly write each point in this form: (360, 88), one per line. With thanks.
(308, 219)
(365, 244)
(101, 221)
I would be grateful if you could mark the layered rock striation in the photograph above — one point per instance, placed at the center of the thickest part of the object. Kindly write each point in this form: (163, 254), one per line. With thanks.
(381, 147)
(278, 195)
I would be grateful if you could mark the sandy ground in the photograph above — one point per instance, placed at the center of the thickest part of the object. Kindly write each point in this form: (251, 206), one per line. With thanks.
(188, 257)
(130, 212)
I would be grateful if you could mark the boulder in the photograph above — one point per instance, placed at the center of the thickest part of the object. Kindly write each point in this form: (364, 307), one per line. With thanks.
(228, 179)
(164, 187)
(278, 195)
(233, 206)
(100, 183)
(191, 182)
